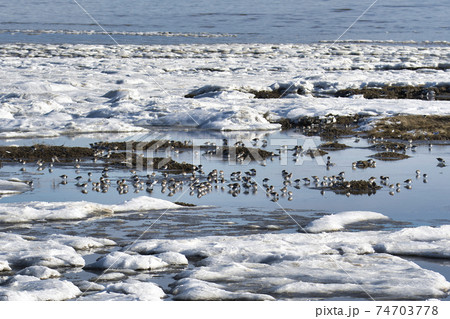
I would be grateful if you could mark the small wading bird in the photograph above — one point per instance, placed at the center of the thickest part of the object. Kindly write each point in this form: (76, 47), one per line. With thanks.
(441, 162)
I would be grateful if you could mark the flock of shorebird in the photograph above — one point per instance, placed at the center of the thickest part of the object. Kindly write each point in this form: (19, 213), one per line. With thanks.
(200, 183)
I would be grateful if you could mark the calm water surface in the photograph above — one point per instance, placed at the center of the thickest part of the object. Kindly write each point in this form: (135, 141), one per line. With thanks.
(286, 21)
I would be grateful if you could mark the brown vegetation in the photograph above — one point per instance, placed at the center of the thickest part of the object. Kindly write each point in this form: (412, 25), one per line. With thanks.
(414, 127)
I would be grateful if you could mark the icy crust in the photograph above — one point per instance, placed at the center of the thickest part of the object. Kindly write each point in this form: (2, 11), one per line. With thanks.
(309, 265)
(93, 88)
(47, 211)
(339, 221)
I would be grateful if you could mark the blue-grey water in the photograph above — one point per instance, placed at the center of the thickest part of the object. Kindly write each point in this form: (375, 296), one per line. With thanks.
(206, 21)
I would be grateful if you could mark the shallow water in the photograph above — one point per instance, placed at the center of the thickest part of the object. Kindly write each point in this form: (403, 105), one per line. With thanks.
(205, 21)
(424, 204)
(219, 213)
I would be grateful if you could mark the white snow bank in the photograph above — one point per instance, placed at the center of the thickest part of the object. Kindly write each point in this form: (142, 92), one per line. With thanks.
(26, 288)
(238, 120)
(21, 252)
(339, 221)
(81, 95)
(123, 260)
(354, 264)
(29, 211)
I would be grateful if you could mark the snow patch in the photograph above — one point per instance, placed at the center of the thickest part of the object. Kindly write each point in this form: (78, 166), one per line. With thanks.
(339, 221)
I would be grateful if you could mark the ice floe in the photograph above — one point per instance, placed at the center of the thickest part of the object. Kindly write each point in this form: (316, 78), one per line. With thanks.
(130, 289)
(358, 264)
(4, 265)
(47, 211)
(81, 243)
(107, 89)
(123, 260)
(20, 252)
(26, 288)
(338, 221)
(194, 289)
(12, 187)
(137, 289)
(365, 264)
(40, 272)
(86, 286)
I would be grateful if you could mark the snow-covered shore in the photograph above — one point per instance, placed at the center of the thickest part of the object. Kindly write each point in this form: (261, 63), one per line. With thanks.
(95, 88)
(366, 264)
